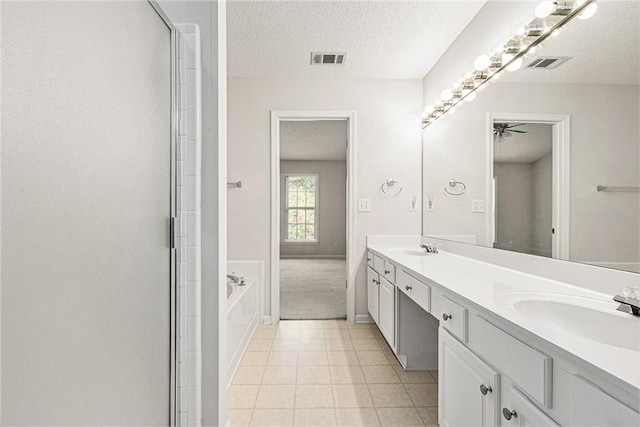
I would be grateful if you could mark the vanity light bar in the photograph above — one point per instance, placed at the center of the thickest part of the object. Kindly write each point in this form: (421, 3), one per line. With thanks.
(551, 16)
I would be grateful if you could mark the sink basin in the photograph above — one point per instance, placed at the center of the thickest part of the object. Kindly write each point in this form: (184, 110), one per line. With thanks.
(590, 318)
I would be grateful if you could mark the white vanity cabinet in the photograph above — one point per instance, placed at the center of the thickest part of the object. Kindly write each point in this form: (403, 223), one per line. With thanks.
(468, 388)
(387, 312)
(373, 283)
(520, 411)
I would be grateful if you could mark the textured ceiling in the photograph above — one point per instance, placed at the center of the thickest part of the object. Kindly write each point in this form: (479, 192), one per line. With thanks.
(313, 140)
(383, 39)
(524, 147)
(605, 49)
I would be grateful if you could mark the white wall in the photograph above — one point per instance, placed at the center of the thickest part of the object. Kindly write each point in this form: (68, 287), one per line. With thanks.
(605, 148)
(388, 145)
(331, 210)
(542, 205)
(514, 206)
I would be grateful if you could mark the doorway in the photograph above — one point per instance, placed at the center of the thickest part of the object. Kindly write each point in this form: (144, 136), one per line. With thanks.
(528, 196)
(312, 215)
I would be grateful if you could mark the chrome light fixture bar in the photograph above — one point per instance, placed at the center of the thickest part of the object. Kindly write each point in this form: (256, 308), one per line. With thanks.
(551, 16)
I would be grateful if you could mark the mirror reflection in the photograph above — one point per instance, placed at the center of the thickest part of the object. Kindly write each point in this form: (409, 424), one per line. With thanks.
(545, 161)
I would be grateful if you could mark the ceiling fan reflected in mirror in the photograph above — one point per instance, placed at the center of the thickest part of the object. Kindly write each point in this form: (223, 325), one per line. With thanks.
(505, 130)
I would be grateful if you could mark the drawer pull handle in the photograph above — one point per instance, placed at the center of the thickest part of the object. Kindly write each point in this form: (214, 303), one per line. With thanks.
(508, 414)
(387, 272)
(484, 389)
(446, 316)
(408, 287)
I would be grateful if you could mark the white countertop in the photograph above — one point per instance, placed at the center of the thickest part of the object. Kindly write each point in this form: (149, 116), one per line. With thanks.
(495, 288)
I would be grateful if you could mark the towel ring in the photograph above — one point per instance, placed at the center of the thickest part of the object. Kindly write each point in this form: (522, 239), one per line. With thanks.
(453, 183)
(388, 184)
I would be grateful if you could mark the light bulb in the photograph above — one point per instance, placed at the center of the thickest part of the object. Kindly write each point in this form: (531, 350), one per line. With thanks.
(482, 62)
(470, 97)
(446, 94)
(588, 11)
(515, 65)
(545, 9)
(428, 109)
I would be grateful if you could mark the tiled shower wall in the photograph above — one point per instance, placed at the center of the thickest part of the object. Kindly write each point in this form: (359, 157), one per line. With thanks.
(188, 74)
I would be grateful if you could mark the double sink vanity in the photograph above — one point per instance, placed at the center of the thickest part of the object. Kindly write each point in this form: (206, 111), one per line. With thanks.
(511, 348)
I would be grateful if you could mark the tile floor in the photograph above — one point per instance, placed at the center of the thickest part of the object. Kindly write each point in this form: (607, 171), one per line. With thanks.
(328, 373)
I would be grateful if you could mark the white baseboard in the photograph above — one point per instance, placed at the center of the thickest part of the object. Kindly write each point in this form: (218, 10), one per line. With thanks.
(363, 318)
(266, 320)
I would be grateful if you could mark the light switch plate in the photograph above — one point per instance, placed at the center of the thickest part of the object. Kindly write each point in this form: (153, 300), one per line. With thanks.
(364, 205)
(413, 204)
(477, 206)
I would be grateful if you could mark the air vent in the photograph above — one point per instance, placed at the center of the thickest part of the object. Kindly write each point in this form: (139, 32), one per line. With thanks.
(328, 58)
(548, 62)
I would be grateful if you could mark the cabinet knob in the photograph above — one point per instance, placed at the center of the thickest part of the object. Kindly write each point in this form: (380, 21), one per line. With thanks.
(446, 316)
(508, 414)
(387, 272)
(408, 287)
(484, 389)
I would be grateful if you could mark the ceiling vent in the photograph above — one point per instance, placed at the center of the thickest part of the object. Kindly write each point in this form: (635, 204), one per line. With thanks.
(328, 58)
(547, 62)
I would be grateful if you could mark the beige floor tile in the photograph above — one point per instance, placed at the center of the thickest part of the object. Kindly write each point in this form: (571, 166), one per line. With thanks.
(279, 375)
(302, 324)
(342, 358)
(423, 394)
(242, 396)
(367, 357)
(272, 417)
(380, 375)
(266, 327)
(351, 396)
(260, 345)
(335, 324)
(261, 334)
(314, 396)
(360, 325)
(359, 344)
(288, 333)
(346, 374)
(356, 417)
(312, 358)
(276, 396)
(376, 333)
(389, 396)
(434, 374)
(255, 358)
(249, 375)
(361, 334)
(311, 334)
(399, 417)
(282, 358)
(339, 344)
(313, 375)
(393, 360)
(384, 345)
(414, 377)
(282, 344)
(337, 334)
(314, 417)
(429, 416)
(312, 345)
(239, 417)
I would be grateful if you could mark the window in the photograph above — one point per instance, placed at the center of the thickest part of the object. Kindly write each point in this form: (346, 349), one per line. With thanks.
(301, 203)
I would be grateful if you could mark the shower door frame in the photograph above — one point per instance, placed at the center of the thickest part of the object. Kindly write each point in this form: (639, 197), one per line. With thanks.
(305, 115)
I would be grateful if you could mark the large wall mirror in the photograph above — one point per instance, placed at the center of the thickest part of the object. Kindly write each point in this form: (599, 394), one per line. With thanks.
(546, 160)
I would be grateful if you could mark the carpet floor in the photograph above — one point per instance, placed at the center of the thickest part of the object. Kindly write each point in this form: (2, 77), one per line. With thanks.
(313, 289)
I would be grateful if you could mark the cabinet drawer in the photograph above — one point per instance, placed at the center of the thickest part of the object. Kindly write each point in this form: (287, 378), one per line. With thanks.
(415, 289)
(525, 366)
(389, 272)
(378, 264)
(370, 259)
(453, 317)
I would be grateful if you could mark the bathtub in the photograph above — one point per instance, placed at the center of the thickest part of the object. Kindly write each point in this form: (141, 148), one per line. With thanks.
(242, 319)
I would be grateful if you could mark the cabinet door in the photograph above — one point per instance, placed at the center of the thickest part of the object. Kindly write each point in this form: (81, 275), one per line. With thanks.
(522, 412)
(373, 283)
(387, 311)
(468, 389)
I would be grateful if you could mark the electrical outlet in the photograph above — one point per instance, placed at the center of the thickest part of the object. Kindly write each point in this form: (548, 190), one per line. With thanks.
(413, 204)
(477, 206)
(364, 205)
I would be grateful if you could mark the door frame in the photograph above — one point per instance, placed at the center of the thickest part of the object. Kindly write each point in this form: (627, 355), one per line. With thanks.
(304, 115)
(561, 143)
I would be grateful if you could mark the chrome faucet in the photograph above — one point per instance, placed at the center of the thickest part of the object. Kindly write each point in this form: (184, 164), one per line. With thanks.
(629, 301)
(235, 279)
(430, 248)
